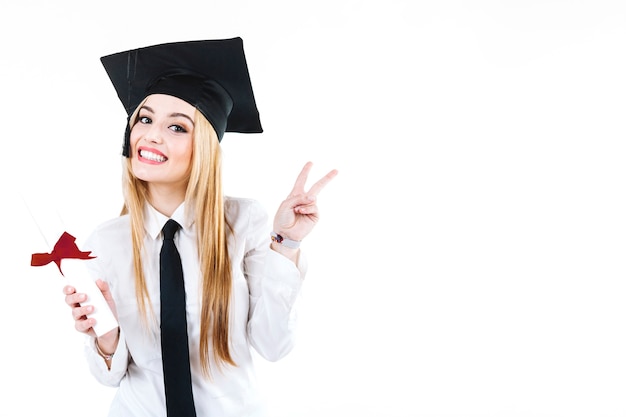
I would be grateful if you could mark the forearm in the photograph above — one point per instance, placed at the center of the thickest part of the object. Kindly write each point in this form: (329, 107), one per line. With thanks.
(106, 345)
(272, 318)
(289, 253)
(111, 372)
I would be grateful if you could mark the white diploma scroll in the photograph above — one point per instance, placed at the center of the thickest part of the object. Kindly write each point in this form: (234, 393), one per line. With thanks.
(66, 256)
(77, 275)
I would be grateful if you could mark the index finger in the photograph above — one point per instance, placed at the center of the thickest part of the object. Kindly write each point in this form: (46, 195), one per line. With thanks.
(68, 290)
(298, 187)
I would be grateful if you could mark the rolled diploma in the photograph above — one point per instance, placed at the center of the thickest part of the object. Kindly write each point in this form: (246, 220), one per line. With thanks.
(77, 275)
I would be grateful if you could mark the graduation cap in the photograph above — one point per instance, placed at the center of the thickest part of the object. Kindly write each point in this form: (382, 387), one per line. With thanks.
(211, 75)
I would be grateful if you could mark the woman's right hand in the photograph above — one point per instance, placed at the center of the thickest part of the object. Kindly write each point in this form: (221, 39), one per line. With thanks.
(85, 324)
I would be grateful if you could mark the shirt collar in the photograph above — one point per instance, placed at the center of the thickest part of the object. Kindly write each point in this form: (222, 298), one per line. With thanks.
(154, 221)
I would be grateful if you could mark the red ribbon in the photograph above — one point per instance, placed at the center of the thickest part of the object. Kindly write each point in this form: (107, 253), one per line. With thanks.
(65, 248)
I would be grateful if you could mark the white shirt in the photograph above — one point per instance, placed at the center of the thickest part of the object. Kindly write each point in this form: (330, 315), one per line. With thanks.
(266, 286)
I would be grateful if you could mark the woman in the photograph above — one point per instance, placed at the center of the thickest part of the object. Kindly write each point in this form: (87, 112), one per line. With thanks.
(240, 282)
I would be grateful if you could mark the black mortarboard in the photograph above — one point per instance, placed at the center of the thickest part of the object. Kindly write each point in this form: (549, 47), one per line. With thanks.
(211, 75)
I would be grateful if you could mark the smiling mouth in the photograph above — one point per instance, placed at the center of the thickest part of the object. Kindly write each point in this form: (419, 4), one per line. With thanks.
(151, 156)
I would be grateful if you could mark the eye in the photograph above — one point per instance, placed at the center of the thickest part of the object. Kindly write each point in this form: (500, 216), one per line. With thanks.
(144, 120)
(178, 129)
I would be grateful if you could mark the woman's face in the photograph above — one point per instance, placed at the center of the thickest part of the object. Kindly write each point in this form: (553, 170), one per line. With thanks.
(161, 141)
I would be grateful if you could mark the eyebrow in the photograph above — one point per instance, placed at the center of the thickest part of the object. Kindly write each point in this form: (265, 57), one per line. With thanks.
(148, 108)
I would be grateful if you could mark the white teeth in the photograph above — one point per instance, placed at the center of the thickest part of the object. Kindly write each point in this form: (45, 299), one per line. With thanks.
(152, 156)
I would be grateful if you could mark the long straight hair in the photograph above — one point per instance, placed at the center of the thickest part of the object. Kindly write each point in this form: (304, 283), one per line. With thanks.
(205, 200)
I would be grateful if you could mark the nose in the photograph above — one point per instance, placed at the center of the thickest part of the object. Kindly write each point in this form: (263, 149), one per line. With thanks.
(153, 134)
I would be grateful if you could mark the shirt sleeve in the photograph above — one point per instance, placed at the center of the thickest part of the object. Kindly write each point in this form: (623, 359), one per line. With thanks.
(95, 362)
(97, 366)
(274, 282)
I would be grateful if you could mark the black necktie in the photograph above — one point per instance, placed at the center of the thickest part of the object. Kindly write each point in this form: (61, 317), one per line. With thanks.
(174, 343)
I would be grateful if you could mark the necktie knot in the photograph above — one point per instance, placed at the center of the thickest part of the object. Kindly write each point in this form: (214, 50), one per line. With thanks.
(170, 229)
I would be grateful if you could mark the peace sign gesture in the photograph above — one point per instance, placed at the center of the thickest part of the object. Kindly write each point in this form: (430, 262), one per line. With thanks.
(298, 213)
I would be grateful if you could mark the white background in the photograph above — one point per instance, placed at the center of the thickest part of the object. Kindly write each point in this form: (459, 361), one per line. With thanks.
(470, 256)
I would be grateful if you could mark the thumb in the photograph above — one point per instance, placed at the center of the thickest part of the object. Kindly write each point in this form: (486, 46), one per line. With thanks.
(104, 287)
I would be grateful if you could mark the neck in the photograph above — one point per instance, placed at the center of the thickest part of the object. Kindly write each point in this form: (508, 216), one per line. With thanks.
(166, 199)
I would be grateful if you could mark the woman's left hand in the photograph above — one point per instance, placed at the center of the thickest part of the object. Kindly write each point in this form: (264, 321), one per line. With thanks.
(298, 213)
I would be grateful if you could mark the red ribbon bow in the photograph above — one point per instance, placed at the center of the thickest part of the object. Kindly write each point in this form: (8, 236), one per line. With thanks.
(65, 248)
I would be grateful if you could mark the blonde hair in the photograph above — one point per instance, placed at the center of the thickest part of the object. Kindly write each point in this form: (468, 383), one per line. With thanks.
(204, 198)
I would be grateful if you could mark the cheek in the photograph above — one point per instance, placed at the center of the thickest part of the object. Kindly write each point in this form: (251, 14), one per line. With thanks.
(184, 152)
(189, 153)
(134, 138)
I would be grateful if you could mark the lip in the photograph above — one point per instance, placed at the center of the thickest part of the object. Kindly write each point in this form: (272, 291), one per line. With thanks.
(142, 149)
